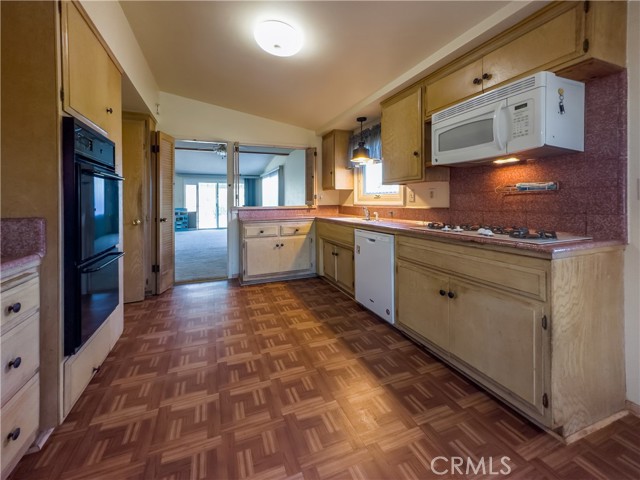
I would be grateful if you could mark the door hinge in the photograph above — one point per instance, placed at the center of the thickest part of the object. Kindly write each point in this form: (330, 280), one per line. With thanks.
(315, 153)
(545, 401)
(155, 148)
(155, 268)
(586, 6)
(585, 45)
(544, 322)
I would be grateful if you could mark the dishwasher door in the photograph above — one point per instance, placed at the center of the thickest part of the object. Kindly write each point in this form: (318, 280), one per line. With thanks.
(374, 258)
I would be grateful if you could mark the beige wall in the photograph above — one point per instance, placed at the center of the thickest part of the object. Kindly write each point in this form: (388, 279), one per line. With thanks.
(632, 254)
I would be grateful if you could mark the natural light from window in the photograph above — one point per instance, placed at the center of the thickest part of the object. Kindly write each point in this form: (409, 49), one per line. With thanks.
(372, 174)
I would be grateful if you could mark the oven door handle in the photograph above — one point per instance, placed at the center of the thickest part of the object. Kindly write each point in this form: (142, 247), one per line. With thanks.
(116, 256)
(96, 173)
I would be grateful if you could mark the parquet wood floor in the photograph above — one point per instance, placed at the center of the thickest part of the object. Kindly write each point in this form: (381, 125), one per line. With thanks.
(295, 381)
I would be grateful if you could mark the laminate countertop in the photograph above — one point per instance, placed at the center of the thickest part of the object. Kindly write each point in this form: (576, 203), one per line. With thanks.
(23, 244)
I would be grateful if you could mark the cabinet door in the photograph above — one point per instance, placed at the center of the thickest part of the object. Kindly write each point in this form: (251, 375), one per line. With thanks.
(329, 260)
(295, 253)
(460, 84)
(90, 75)
(421, 307)
(261, 256)
(499, 336)
(550, 44)
(402, 159)
(344, 268)
(336, 174)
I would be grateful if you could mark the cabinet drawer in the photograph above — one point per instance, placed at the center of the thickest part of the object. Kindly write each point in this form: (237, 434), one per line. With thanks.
(512, 272)
(337, 233)
(295, 228)
(251, 231)
(21, 345)
(23, 412)
(25, 298)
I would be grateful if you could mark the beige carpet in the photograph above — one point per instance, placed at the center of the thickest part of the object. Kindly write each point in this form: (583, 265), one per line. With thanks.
(201, 255)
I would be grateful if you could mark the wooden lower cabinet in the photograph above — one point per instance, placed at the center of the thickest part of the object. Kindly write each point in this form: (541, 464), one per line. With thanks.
(335, 255)
(544, 334)
(277, 250)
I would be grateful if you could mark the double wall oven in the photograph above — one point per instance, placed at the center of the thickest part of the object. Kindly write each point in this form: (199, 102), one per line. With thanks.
(92, 192)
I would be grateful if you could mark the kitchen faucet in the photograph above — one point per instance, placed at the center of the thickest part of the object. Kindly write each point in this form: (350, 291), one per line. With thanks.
(367, 216)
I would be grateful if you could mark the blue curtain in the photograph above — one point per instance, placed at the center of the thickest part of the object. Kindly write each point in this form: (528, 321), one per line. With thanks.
(372, 140)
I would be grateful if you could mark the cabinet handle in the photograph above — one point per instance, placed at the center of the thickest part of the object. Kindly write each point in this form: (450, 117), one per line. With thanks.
(477, 81)
(451, 294)
(15, 363)
(109, 110)
(442, 293)
(486, 76)
(163, 219)
(261, 231)
(14, 434)
(137, 221)
(15, 308)
(297, 230)
(282, 244)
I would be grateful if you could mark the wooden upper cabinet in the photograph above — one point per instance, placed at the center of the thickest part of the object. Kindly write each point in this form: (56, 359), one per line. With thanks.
(462, 83)
(336, 174)
(91, 80)
(402, 139)
(578, 40)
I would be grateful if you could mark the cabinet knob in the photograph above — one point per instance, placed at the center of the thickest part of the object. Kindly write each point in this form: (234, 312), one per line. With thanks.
(451, 294)
(282, 244)
(15, 363)
(109, 110)
(163, 219)
(137, 221)
(15, 308)
(261, 231)
(486, 76)
(14, 434)
(416, 153)
(297, 229)
(443, 293)
(477, 81)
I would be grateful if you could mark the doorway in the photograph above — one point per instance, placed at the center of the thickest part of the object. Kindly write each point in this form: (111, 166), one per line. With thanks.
(200, 199)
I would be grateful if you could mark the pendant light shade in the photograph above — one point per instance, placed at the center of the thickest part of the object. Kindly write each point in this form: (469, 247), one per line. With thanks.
(361, 154)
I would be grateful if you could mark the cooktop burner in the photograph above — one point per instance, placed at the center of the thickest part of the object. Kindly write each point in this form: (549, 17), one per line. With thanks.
(512, 234)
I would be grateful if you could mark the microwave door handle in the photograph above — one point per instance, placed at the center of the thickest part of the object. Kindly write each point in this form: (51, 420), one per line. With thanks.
(496, 124)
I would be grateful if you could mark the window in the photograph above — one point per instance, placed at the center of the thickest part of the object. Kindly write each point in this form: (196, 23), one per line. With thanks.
(191, 197)
(270, 189)
(369, 189)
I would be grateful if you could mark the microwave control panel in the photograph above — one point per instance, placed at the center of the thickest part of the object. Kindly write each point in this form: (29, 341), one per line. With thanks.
(520, 120)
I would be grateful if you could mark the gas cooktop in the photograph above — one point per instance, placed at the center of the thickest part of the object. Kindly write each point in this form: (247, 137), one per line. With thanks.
(509, 234)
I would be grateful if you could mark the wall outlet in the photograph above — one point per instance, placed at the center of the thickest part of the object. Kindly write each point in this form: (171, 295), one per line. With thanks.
(412, 196)
(432, 193)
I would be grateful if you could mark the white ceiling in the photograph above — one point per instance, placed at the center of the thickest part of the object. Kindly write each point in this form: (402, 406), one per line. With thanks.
(205, 50)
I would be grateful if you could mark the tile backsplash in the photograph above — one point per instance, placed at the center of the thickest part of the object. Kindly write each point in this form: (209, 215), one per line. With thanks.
(591, 199)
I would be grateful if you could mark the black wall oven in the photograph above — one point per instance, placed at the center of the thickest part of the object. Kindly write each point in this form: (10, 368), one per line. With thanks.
(92, 192)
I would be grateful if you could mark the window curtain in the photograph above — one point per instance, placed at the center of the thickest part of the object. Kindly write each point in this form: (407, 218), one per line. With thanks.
(372, 137)
(251, 192)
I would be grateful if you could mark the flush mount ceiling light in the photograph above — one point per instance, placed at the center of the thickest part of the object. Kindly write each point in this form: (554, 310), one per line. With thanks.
(278, 38)
(361, 154)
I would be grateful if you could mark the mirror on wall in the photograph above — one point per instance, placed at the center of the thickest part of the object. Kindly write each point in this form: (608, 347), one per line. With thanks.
(273, 176)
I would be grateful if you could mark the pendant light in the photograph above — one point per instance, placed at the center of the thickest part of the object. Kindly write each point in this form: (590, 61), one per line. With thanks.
(361, 153)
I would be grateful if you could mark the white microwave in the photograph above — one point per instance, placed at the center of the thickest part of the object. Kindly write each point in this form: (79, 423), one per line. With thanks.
(536, 116)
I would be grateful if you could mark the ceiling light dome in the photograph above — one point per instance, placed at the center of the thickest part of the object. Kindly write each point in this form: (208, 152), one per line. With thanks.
(278, 38)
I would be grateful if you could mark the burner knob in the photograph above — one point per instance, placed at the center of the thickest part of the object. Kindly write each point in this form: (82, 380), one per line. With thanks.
(446, 228)
(458, 229)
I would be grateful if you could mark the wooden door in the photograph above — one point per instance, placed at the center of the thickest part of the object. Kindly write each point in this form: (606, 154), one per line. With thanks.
(554, 42)
(499, 336)
(344, 268)
(402, 126)
(166, 248)
(134, 153)
(295, 253)
(261, 256)
(310, 177)
(458, 85)
(421, 307)
(328, 260)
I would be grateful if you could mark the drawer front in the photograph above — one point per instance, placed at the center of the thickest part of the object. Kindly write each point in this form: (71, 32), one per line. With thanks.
(21, 347)
(337, 233)
(295, 228)
(252, 231)
(23, 412)
(19, 303)
(516, 273)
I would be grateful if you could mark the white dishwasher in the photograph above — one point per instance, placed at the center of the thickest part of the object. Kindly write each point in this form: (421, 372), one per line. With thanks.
(374, 273)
